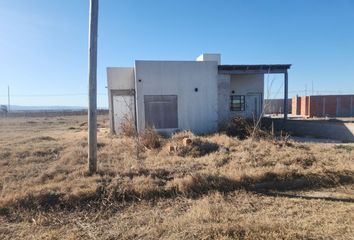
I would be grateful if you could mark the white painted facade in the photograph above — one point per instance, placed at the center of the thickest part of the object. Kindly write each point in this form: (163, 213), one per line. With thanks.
(210, 57)
(202, 94)
(120, 84)
(194, 83)
(120, 78)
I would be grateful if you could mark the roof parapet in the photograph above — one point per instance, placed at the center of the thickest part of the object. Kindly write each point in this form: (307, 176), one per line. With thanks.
(210, 57)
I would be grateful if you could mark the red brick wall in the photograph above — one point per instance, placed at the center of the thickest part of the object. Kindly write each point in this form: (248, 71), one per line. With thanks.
(330, 106)
(329, 103)
(296, 105)
(304, 103)
(322, 106)
(346, 108)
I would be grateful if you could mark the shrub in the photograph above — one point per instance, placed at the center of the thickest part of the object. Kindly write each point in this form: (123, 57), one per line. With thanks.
(239, 127)
(150, 138)
(244, 128)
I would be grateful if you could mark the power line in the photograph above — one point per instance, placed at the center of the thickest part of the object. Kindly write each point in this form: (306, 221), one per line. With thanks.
(51, 95)
(8, 98)
(322, 91)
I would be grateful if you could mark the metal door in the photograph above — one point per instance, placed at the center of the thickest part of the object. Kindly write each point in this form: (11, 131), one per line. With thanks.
(161, 111)
(253, 106)
(123, 110)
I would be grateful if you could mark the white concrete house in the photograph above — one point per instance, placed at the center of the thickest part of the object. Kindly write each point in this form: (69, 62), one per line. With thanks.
(195, 95)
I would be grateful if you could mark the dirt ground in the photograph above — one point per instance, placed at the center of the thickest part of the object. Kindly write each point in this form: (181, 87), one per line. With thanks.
(219, 187)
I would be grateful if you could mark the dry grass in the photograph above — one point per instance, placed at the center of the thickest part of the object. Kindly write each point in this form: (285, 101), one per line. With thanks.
(217, 188)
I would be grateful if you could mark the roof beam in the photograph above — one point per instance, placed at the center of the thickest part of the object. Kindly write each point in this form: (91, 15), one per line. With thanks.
(253, 69)
(261, 71)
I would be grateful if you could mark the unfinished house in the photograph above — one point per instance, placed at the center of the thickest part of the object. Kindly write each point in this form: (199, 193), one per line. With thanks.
(323, 106)
(195, 95)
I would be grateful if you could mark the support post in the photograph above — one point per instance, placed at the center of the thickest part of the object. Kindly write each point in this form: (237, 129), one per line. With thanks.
(285, 96)
(92, 114)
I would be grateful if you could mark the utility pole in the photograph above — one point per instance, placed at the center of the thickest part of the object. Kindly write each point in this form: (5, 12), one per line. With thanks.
(8, 98)
(92, 114)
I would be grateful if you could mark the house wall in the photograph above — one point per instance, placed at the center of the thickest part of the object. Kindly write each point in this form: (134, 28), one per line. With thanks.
(197, 111)
(246, 84)
(118, 78)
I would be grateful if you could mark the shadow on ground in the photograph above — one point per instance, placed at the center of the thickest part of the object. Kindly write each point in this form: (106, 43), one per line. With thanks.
(191, 186)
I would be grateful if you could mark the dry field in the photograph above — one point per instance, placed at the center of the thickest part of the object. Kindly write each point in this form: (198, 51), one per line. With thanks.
(218, 188)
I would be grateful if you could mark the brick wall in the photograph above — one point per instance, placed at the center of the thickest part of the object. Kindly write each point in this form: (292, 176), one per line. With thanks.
(346, 106)
(296, 105)
(327, 106)
(322, 106)
(304, 103)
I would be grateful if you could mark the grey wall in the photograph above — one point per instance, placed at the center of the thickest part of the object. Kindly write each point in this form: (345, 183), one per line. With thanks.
(197, 111)
(118, 79)
(338, 130)
(223, 99)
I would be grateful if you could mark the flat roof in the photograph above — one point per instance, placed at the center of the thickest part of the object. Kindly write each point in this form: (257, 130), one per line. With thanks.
(254, 68)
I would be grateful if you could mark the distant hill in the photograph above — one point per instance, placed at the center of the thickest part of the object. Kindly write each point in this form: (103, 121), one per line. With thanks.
(45, 108)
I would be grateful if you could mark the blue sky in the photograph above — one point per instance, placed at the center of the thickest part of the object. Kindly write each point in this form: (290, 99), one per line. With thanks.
(43, 43)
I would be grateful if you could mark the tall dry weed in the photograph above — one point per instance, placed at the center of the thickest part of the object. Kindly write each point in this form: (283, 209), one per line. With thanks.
(150, 139)
(127, 126)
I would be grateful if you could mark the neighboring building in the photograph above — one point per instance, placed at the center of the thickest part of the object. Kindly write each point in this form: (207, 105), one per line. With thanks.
(3, 109)
(196, 95)
(323, 106)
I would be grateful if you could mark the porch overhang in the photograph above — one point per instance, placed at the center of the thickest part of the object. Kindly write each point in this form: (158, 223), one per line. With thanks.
(261, 69)
(254, 69)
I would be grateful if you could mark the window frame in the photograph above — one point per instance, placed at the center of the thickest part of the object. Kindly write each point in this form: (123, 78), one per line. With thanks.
(242, 99)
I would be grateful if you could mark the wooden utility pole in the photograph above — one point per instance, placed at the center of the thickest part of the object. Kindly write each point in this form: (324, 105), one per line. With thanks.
(92, 115)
